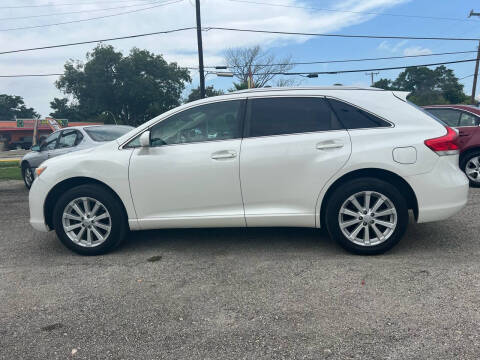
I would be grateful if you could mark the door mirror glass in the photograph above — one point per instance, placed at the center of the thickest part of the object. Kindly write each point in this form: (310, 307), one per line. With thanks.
(145, 139)
(35, 148)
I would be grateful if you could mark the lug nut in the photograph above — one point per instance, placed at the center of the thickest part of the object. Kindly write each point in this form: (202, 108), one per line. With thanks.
(360, 218)
(364, 224)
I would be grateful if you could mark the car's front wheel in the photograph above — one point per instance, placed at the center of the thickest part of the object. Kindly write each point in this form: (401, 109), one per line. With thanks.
(28, 175)
(90, 220)
(367, 216)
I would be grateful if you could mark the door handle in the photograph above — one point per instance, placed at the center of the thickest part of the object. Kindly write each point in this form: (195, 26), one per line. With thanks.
(224, 154)
(325, 145)
(463, 134)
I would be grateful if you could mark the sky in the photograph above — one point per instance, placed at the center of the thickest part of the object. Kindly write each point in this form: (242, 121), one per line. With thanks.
(20, 21)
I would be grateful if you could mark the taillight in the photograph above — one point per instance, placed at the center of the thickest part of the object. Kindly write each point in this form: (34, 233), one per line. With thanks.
(445, 145)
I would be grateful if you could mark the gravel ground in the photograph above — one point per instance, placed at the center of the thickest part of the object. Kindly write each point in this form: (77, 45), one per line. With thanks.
(236, 293)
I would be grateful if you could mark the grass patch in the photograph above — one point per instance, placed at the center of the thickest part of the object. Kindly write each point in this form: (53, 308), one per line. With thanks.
(9, 163)
(10, 172)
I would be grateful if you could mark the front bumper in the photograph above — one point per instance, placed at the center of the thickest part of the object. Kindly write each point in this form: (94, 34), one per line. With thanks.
(36, 200)
(442, 192)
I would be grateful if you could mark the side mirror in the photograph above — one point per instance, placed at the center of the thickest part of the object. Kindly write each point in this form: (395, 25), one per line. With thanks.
(145, 139)
(35, 148)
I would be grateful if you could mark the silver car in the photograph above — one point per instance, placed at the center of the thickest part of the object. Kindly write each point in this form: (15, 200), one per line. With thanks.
(68, 140)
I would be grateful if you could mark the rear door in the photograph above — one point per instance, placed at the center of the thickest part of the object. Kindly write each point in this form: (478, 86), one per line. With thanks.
(292, 147)
(467, 127)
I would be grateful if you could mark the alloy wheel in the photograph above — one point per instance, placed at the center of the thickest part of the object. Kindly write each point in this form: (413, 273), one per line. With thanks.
(28, 176)
(367, 218)
(472, 169)
(87, 222)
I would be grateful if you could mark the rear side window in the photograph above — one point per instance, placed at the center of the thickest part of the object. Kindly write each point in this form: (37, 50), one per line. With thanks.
(354, 118)
(448, 116)
(283, 115)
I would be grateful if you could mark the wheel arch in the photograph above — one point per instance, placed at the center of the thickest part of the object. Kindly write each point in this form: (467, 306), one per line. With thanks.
(467, 152)
(382, 174)
(66, 184)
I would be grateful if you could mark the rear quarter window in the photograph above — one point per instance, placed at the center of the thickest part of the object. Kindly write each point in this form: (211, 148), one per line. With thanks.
(354, 118)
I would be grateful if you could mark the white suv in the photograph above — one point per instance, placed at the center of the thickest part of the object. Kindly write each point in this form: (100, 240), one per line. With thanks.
(353, 160)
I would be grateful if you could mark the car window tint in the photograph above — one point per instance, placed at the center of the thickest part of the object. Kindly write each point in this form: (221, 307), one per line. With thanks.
(467, 119)
(67, 139)
(448, 116)
(354, 118)
(215, 121)
(50, 141)
(106, 133)
(283, 115)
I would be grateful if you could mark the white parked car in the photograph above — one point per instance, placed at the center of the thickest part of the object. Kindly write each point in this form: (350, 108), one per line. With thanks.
(353, 160)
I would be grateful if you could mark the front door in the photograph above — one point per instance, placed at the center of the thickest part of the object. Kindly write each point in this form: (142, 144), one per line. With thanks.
(189, 176)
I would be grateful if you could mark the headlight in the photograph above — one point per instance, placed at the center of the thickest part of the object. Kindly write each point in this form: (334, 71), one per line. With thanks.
(40, 170)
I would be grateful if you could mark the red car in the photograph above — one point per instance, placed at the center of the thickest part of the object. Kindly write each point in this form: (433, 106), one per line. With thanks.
(466, 119)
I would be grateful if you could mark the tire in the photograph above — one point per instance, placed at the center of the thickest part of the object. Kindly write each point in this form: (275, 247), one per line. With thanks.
(109, 214)
(360, 242)
(470, 165)
(28, 175)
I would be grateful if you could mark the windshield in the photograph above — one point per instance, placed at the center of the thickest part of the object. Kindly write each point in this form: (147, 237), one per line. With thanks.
(107, 132)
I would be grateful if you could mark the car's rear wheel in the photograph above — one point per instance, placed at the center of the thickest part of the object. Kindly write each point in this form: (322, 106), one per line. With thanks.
(471, 166)
(28, 174)
(367, 216)
(90, 220)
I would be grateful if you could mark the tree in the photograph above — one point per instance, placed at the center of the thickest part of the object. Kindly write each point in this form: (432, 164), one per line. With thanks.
(264, 66)
(438, 86)
(134, 88)
(209, 92)
(64, 110)
(12, 106)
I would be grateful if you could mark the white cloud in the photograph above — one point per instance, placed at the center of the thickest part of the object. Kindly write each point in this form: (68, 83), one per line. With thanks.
(180, 47)
(416, 50)
(392, 47)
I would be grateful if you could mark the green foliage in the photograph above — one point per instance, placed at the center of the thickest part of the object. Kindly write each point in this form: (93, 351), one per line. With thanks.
(64, 110)
(12, 105)
(427, 87)
(135, 88)
(209, 92)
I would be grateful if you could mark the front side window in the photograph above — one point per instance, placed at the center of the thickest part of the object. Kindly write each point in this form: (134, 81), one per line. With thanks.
(50, 142)
(210, 122)
(283, 115)
(450, 117)
(68, 139)
(467, 119)
(354, 118)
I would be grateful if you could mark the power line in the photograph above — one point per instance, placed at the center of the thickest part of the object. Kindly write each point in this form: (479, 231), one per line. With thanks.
(293, 73)
(354, 12)
(78, 12)
(339, 35)
(365, 70)
(97, 41)
(357, 60)
(69, 4)
(466, 77)
(90, 19)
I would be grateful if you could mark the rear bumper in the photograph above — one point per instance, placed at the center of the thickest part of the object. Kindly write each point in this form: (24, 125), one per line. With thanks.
(442, 192)
(36, 200)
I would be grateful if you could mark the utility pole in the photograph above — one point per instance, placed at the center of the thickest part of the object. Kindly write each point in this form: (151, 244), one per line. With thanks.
(475, 75)
(200, 50)
(372, 74)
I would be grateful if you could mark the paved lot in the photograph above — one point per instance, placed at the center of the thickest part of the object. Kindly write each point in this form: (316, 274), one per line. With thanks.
(261, 293)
